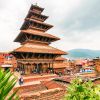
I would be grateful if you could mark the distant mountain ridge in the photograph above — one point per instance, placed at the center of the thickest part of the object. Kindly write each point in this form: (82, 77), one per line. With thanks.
(83, 53)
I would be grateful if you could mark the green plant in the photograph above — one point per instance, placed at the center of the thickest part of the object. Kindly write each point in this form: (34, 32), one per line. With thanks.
(79, 90)
(7, 82)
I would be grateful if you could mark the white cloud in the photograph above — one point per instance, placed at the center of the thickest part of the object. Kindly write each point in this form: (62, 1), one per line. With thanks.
(77, 22)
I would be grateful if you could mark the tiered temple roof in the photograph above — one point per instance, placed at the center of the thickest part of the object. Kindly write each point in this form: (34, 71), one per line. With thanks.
(35, 33)
(33, 37)
(37, 48)
(35, 55)
(36, 16)
(36, 9)
(60, 59)
(36, 25)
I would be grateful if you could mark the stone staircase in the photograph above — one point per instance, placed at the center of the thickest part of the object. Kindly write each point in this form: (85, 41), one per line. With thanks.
(30, 87)
(39, 78)
(51, 85)
(51, 94)
(40, 88)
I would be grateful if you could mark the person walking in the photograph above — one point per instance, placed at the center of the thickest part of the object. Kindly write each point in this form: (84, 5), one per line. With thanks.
(21, 81)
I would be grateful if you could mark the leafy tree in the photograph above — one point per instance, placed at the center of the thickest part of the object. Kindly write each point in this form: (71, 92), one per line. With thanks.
(79, 90)
(7, 82)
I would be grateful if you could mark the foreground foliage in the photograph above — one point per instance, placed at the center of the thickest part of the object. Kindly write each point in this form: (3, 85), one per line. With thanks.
(7, 82)
(79, 90)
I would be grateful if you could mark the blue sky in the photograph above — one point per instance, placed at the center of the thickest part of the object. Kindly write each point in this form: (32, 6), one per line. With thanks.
(76, 22)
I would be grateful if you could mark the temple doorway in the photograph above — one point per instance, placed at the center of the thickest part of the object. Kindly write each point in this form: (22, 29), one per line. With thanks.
(38, 68)
(34, 68)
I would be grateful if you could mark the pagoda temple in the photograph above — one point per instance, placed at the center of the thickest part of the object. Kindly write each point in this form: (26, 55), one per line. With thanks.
(35, 54)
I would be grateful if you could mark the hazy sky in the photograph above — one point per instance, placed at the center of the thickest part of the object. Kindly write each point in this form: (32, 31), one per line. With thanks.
(76, 22)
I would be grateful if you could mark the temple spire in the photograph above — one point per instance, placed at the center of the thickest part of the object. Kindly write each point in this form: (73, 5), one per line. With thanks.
(36, 4)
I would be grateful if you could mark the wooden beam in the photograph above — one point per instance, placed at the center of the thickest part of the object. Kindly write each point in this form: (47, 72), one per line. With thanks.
(30, 37)
(32, 56)
(26, 37)
(39, 55)
(22, 56)
(27, 55)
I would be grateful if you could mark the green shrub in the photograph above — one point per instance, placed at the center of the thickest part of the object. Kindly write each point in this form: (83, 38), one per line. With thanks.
(79, 90)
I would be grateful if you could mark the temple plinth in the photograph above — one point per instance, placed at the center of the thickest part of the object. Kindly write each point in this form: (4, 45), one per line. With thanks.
(35, 55)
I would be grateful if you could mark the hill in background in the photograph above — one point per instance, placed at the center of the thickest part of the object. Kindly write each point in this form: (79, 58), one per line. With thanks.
(83, 53)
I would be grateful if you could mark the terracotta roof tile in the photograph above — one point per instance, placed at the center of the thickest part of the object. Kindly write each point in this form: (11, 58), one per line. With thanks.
(35, 32)
(38, 14)
(35, 6)
(39, 22)
(34, 48)
(60, 58)
(60, 65)
(40, 33)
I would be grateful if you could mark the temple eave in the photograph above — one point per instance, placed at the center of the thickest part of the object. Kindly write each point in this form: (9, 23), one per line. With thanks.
(35, 33)
(29, 19)
(38, 14)
(39, 49)
(57, 53)
(35, 6)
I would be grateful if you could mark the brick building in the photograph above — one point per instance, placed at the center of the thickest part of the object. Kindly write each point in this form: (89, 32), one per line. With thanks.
(7, 61)
(97, 64)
